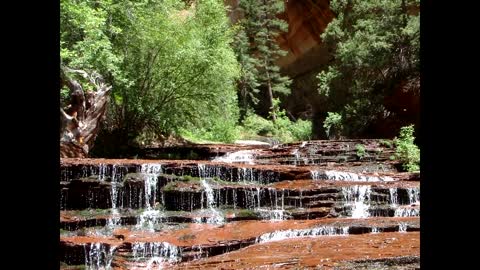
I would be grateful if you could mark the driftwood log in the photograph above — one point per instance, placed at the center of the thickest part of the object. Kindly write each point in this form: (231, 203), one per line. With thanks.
(80, 120)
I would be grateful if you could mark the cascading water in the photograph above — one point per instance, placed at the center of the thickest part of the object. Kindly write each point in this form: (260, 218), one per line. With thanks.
(347, 176)
(315, 175)
(151, 171)
(98, 256)
(296, 154)
(413, 195)
(245, 175)
(393, 196)
(243, 156)
(102, 171)
(114, 220)
(288, 234)
(276, 211)
(271, 214)
(156, 253)
(407, 212)
(147, 219)
(216, 217)
(358, 197)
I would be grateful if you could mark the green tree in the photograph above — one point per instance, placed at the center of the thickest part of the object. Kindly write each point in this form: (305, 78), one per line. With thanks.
(375, 46)
(406, 151)
(180, 70)
(262, 28)
(248, 83)
(85, 36)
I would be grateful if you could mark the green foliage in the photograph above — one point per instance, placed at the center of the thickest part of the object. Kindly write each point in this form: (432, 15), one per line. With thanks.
(254, 124)
(181, 70)
(247, 84)
(376, 50)
(85, 36)
(360, 151)
(406, 151)
(333, 120)
(282, 129)
(301, 130)
(386, 143)
(247, 213)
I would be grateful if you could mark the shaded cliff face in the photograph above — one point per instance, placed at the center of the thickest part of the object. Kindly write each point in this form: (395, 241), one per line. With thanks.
(307, 19)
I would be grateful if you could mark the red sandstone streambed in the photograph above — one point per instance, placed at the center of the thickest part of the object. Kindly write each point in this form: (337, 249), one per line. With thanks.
(282, 210)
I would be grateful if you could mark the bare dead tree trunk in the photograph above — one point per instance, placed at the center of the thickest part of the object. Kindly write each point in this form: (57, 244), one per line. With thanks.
(80, 120)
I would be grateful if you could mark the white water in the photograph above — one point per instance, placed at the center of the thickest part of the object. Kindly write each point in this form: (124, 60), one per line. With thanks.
(243, 156)
(102, 171)
(347, 176)
(407, 212)
(393, 196)
(245, 175)
(297, 155)
(156, 253)
(216, 217)
(414, 195)
(288, 234)
(358, 197)
(402, 227)
(98, 256)
(271, 215)
(149, 217)
(375, 230)
(151, 171)
(315, 175)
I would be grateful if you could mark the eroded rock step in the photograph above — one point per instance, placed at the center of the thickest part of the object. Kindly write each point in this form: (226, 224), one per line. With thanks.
(301, 153)
(386, 251)
(114, 169)
(188, 194)
(202, 240)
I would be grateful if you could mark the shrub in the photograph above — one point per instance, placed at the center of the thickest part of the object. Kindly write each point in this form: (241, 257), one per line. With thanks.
(282, 129)
(333, 120)
(254, 124)
(361, 152)
(406, 151)
(301, 130)
(386, 143)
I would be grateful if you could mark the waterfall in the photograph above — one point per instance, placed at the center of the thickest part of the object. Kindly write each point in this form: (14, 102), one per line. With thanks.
(245, 175)
(297, 156)
(148, 218)
(413, 195)
(216, 217)
(393, 196)
(315, 175)
(151, 171)
(358, 196)
(288, 234)
(98, 256)
(157, 253)
(272, 215)
(402, 227)
(407, 212)
(243, 156)
(347, 176)
(102, 171)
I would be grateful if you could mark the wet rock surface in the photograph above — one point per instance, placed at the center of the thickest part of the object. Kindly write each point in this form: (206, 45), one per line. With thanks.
(242, 206)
